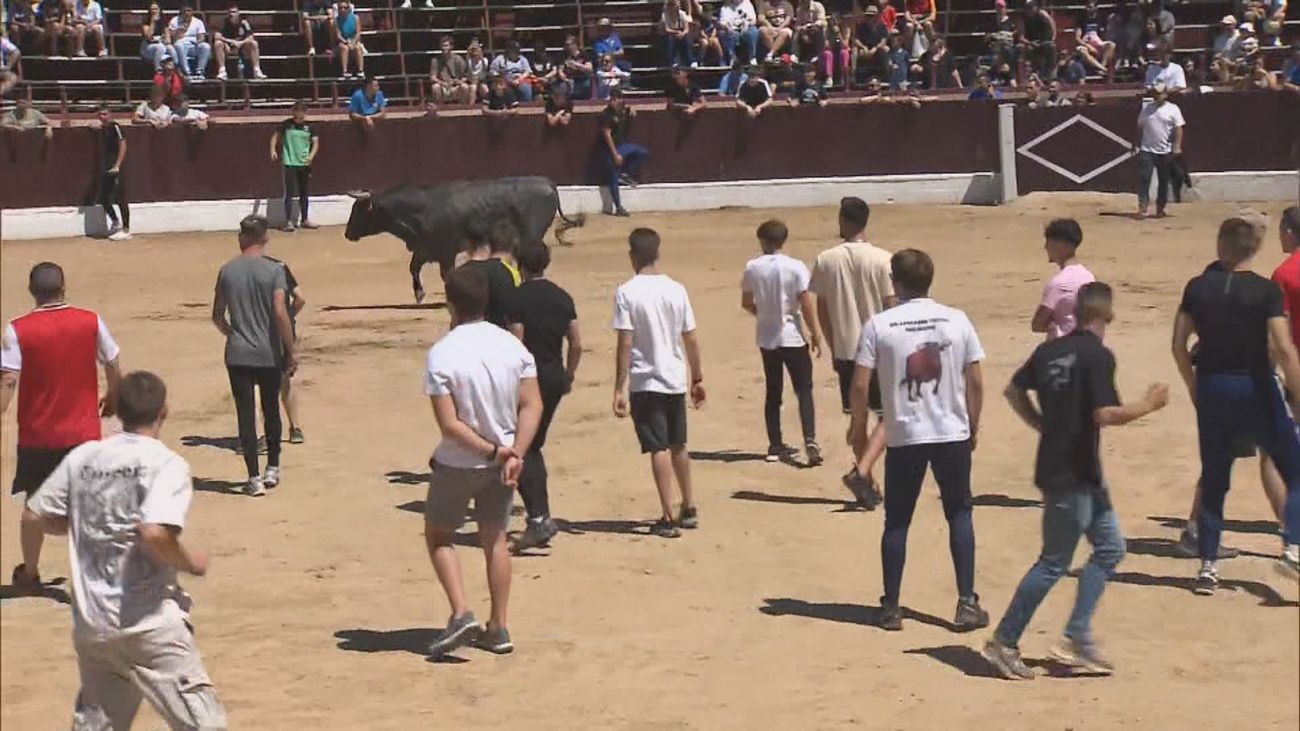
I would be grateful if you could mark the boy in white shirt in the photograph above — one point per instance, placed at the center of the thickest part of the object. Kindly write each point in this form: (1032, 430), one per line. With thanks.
(928, 359)
(189, 38)
(122, 503)
(774, 290)
(656, 341)
(483, 385)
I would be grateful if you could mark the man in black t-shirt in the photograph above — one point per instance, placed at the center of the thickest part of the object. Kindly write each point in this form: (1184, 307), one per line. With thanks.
(1074, 377)
(683, 95)
(236, 36)
(559, 105)
(755, 94)
(112, 153)
(543, 317)
(1240, 322)
(501, 283)
(623, 159)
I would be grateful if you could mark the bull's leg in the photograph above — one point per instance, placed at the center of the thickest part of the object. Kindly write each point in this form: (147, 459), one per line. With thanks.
(416, 265)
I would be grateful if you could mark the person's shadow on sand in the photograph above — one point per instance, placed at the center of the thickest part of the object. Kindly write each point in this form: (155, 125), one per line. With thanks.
(863, 614)
(52, 590)
(415, 641)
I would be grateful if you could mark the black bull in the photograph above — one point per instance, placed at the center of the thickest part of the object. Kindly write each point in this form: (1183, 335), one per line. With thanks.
(435, 221)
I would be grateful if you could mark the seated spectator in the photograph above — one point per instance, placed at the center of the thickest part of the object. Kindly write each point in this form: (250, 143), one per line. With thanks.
(545, 72)
(920, 12)
(810, 30)
(515, 69)
(9, 57)
(153, 112)
(1093, 50)
(1126, 26)
(55, 19)
(170, 81)
(501, 96)
(1290, 78)
(23, 30)
(317, 23)
(1070, 68)
(609, 76)
(24, 117)
(608, 43)
(888, 15)
(1002, 41)
(775, 27)
(1084, 99)
(917, 39)
(155, 44)
(1257, 77)
(708, 45)
(347, 38)
(1160, 24)
(1272, 18)
(676, 24)
(837, 58)
(576, 70)
(449, 81)
(88, 21)
(1165, 72)
(189, 43)
(478, 65)
(1226, 39)
(899, 62)
(738, 24)
(1054, 96)
(187, 116)
(984, 89)
(731, 81)
(755, 94)
(871, 44)
(367, 104)
(940, 69)
(874, 92)
(808, 90)
(683, 95)
(559, 106)
(236, 36)
(1033, 92)
(1038, 38)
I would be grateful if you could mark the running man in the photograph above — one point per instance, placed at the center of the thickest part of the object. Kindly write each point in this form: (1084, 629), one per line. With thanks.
(543, 319)
(1240, 321)
(656, 343)
(252, 290)
(1055, 314)
(122, 502)
(112, 153)
(928, 359)
(49, 356)
(774, 289)
(483, 386)
(1074, 377)
(852, 284)
(288, 395)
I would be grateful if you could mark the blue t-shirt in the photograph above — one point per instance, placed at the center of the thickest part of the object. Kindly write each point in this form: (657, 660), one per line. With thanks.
(347, 25)
(608, 45)
(1292, 74)
(990, 93)
(367, 107)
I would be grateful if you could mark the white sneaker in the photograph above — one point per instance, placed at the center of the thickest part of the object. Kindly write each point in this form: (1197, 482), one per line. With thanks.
(120, 234)
(1289, 564)
(222, 75)
(272, 476)
(429, 4)
(254, 487)
(257, 73)
(1207, 580)
(311, 51)
(406, 5)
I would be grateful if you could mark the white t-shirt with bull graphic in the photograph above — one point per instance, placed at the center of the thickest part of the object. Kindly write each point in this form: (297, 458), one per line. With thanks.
(920, 349)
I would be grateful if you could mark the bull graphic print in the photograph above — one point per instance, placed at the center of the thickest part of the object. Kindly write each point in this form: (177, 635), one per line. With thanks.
(923, 365)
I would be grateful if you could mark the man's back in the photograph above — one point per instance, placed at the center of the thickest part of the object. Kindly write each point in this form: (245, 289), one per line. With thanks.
(656, 310)
(777, 281)
(107, 489)
(853, 278)
(545, 310)
(248, 285)
(1231, 312)
(501, 289)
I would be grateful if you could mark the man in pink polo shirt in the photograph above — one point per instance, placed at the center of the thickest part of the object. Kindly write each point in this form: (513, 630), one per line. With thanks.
(1055, 314)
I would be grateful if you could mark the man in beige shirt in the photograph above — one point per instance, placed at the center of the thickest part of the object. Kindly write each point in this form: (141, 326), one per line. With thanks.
(852, 283)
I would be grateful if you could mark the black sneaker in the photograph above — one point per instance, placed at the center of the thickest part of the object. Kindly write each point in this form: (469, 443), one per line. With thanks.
(23, 584)
(689, 518)
(665, 529)
(459, 631)
(970, 615)
(890, 617)
(776, 454)
(295, 435)
(628, 180)
(538, 534)
(621, 212)
(863, 489)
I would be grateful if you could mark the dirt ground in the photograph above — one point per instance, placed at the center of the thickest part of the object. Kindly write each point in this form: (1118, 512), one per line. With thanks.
(320, 597)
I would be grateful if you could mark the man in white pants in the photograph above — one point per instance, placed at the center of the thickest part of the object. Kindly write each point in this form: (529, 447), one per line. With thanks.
(122, 502)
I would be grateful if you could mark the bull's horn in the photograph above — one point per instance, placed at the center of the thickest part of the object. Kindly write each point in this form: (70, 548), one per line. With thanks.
(360, 195)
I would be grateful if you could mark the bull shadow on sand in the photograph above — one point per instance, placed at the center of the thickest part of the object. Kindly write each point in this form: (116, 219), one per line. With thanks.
(1265, 527)
(402, 306)
(863, 614)
(972, 664)
(230, 444)
(415, 641)
(52, 590)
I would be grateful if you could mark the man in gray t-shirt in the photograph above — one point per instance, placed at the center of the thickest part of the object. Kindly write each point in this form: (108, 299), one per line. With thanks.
(250, 310)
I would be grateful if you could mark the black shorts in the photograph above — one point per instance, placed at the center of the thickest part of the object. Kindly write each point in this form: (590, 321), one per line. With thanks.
(35, 465)
(660, 420)
(844, 369)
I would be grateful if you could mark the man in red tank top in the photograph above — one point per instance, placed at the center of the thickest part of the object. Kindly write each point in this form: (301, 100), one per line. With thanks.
(1287, 274)
(55, 348)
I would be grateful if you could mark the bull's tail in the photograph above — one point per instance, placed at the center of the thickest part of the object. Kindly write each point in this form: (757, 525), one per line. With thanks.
(566, 223)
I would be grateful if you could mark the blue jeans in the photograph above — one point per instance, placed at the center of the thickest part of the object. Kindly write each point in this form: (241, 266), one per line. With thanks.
(524, 91)
(192, 58)
(1232, 408)
(749, 37)
(156, 52)
(679, 50)
(1067, 516)
(633, 157)
(904, 473)
(580, 87)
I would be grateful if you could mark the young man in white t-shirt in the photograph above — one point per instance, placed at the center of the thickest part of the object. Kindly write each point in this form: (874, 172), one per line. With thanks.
(656, 341)
(852, 284)
(1160, 140)
(122, 503)
(1055, 313)
(928, 358)
(483, 385)
(774, 290)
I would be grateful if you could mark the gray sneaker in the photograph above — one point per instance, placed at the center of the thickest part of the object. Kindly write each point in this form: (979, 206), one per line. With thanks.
(689, 518)
(1189, 547)
(863, 489)
(890, 617)
(459, 631)
(537, 534)
(1207, 579)
(1081, 655)
(254, 487)
(495, 641)
(814, 452)
(1006, 660)
(970, 615)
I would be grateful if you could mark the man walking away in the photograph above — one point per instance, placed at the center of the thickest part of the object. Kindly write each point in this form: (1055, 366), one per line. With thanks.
(1074, 377)
(624, 159)
(112, 153)
(928, 357)
(656, 342)
(484, 257)
(483, 386)
(122, 503)
(852, 284)
(544, 318)
(774, 289)
(1160, 139)
(295, 144)
(1242, 330)
(49, 356)
(1055, 314)
(288, 394)
(259, 345)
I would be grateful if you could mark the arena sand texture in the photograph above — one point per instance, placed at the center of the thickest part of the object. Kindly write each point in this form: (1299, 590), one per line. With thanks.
(320, 597)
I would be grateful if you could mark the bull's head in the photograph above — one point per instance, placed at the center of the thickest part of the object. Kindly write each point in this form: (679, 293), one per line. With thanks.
(365, 220)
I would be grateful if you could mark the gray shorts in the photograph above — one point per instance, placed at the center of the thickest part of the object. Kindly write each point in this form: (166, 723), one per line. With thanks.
(451, 489)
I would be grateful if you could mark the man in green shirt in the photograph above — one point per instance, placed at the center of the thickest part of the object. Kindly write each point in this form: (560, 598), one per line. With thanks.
(24, 117)
(295, 145)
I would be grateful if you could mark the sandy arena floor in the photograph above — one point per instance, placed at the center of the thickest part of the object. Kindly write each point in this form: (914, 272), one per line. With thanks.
(320, 596)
